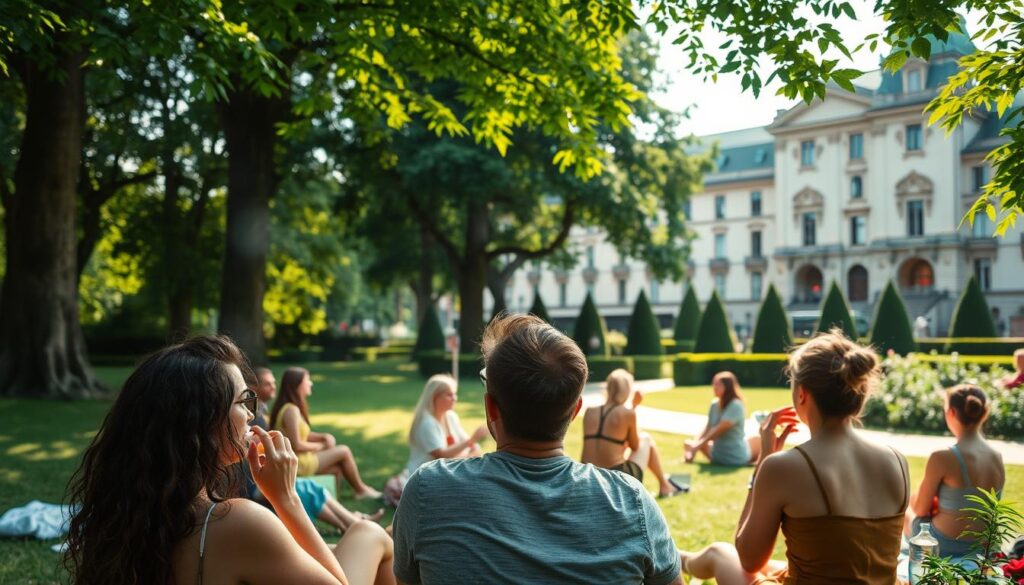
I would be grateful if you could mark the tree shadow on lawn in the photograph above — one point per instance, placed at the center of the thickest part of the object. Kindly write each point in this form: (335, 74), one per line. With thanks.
(705, 468)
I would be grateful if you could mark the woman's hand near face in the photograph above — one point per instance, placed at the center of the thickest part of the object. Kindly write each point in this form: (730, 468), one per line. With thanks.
(273, 471)
(638, 397)
(771, 440)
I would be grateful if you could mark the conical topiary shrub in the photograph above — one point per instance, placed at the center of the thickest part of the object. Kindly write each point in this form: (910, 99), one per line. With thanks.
(772, 331)
(589, 333)
(714, 335)
(688, 318)
(972, 317)
(890, 326)
(644, 335)
(430, 336)
(538, 309)
(836, 313)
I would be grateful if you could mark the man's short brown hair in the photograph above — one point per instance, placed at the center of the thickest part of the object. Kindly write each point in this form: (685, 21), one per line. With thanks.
(535, 375)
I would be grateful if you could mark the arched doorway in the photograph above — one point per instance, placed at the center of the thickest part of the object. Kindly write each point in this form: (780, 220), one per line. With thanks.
(917, 275)
(807, 285)
(857, 284)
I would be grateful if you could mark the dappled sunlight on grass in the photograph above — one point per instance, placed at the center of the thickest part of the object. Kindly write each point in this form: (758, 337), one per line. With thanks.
(40, 452)
(384, 379)
(10, 476)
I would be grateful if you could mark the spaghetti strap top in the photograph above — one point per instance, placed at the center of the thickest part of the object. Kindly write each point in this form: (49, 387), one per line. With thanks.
(953, 499)
(839, 549)
(202, 542)
(600, 428)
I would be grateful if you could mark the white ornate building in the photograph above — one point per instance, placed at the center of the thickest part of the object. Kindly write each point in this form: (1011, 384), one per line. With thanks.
(855, 188)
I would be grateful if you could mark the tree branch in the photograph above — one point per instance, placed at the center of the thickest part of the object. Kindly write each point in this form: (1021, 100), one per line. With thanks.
(568, 218)
(424, 220)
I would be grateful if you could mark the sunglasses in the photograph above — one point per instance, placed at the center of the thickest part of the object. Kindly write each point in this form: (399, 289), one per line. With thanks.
(250, 400)
(483, 377)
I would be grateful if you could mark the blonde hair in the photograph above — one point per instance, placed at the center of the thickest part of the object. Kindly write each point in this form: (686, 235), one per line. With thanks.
(618, 386)
(425, 406)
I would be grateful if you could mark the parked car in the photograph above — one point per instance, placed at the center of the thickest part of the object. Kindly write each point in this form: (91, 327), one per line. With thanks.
(806, 322)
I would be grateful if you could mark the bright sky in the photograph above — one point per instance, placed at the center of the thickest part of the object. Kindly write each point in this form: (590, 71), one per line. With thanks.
(722, 106)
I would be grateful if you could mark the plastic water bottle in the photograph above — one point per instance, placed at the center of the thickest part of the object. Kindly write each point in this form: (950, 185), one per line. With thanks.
(922, 545)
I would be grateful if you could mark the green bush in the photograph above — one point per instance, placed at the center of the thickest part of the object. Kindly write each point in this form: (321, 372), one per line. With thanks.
(643, 336)
(971, 318)
(675, 346)
(538, 308)
(688, 318)
(601, 366)
(440, 362)
(772, 331)
(995, 346)
(652, 367)
(296, 355)
(590, 330)
(911, 396)
(341, 347)
(836, 313)
(372, 354)
(430, 336)
(762, 369)
(985, 361)
(890, 326)
(714, 335)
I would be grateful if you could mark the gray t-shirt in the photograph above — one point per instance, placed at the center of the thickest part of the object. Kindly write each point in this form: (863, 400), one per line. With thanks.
(501, 518)
(731, 447)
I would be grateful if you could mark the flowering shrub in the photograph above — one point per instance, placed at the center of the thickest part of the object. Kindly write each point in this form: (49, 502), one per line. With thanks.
(912, 392)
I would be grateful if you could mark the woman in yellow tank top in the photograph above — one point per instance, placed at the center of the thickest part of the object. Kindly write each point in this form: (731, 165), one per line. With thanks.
(317, 452)
(838, 499)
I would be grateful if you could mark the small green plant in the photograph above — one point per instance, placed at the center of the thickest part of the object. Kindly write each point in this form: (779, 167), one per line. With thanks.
(998, 522)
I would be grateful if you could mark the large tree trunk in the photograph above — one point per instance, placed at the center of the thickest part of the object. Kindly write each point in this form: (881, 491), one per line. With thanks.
(496, 283)
(249, 121)
(423, 284)
(42, 352)
(473, 278)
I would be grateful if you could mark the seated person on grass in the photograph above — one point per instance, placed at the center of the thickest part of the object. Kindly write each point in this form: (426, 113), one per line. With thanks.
(957, 472)
(154, 488)
(724, 440)
(838, 498)
(527, 513)
(316, 500)
(610, 429)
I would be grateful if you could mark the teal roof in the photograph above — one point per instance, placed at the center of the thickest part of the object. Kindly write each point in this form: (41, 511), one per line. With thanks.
(988, 137)
(956, 45)
(743, 162)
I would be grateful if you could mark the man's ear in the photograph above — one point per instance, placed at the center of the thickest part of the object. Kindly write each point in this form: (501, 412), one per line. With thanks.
(491, 408)
(576, 411)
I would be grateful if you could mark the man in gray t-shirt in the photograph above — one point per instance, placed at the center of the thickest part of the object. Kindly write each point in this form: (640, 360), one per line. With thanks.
(528, 513)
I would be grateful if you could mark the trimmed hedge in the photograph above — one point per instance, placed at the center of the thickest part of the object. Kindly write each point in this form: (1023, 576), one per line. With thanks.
(836, 313)
(971, 318)
(430, 336)
(590, 327)
(372, 354)
(772, 331)
(538, 309)
(643, 337)
(995, 346)
(688, 319)
(652, 367)
(296, 355)
(675, 346)
(890, 326)
(440, 362)
(983, 361)
(764, 369)
(714, 335)
(600, 366)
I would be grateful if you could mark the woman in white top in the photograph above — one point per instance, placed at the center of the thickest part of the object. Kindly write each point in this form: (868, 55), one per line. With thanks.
(436, 432)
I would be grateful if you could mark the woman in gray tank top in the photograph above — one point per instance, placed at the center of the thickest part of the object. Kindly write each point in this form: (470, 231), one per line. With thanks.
(156, 486)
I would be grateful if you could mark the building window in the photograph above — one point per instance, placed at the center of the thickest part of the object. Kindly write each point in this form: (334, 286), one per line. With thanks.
(654, 291)
(622, 291)
(720, 284)
(915, 217)
(980, 226)
(561, 294)
(755, 203)
(760, 155)
(978, 178)
(858, 230)
(856, 187)
(856, 146)
(857, 284)
(755, 244)
(913, 137)
(807, 153)
(719, 206)
(755, 286)
(983, 273)
(810, 229)
(914, 81)
(590, 256)
(719, 245)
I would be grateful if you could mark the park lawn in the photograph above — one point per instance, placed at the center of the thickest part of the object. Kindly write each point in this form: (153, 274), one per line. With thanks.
(369, 407)
(697, 399)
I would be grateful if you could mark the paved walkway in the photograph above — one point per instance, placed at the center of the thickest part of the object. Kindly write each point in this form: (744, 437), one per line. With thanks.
(684, 423)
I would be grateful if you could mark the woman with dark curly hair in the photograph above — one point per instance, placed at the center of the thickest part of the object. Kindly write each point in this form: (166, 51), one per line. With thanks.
(155, 487)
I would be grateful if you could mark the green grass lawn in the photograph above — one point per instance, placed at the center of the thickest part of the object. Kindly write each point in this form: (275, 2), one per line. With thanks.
(369, 407)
